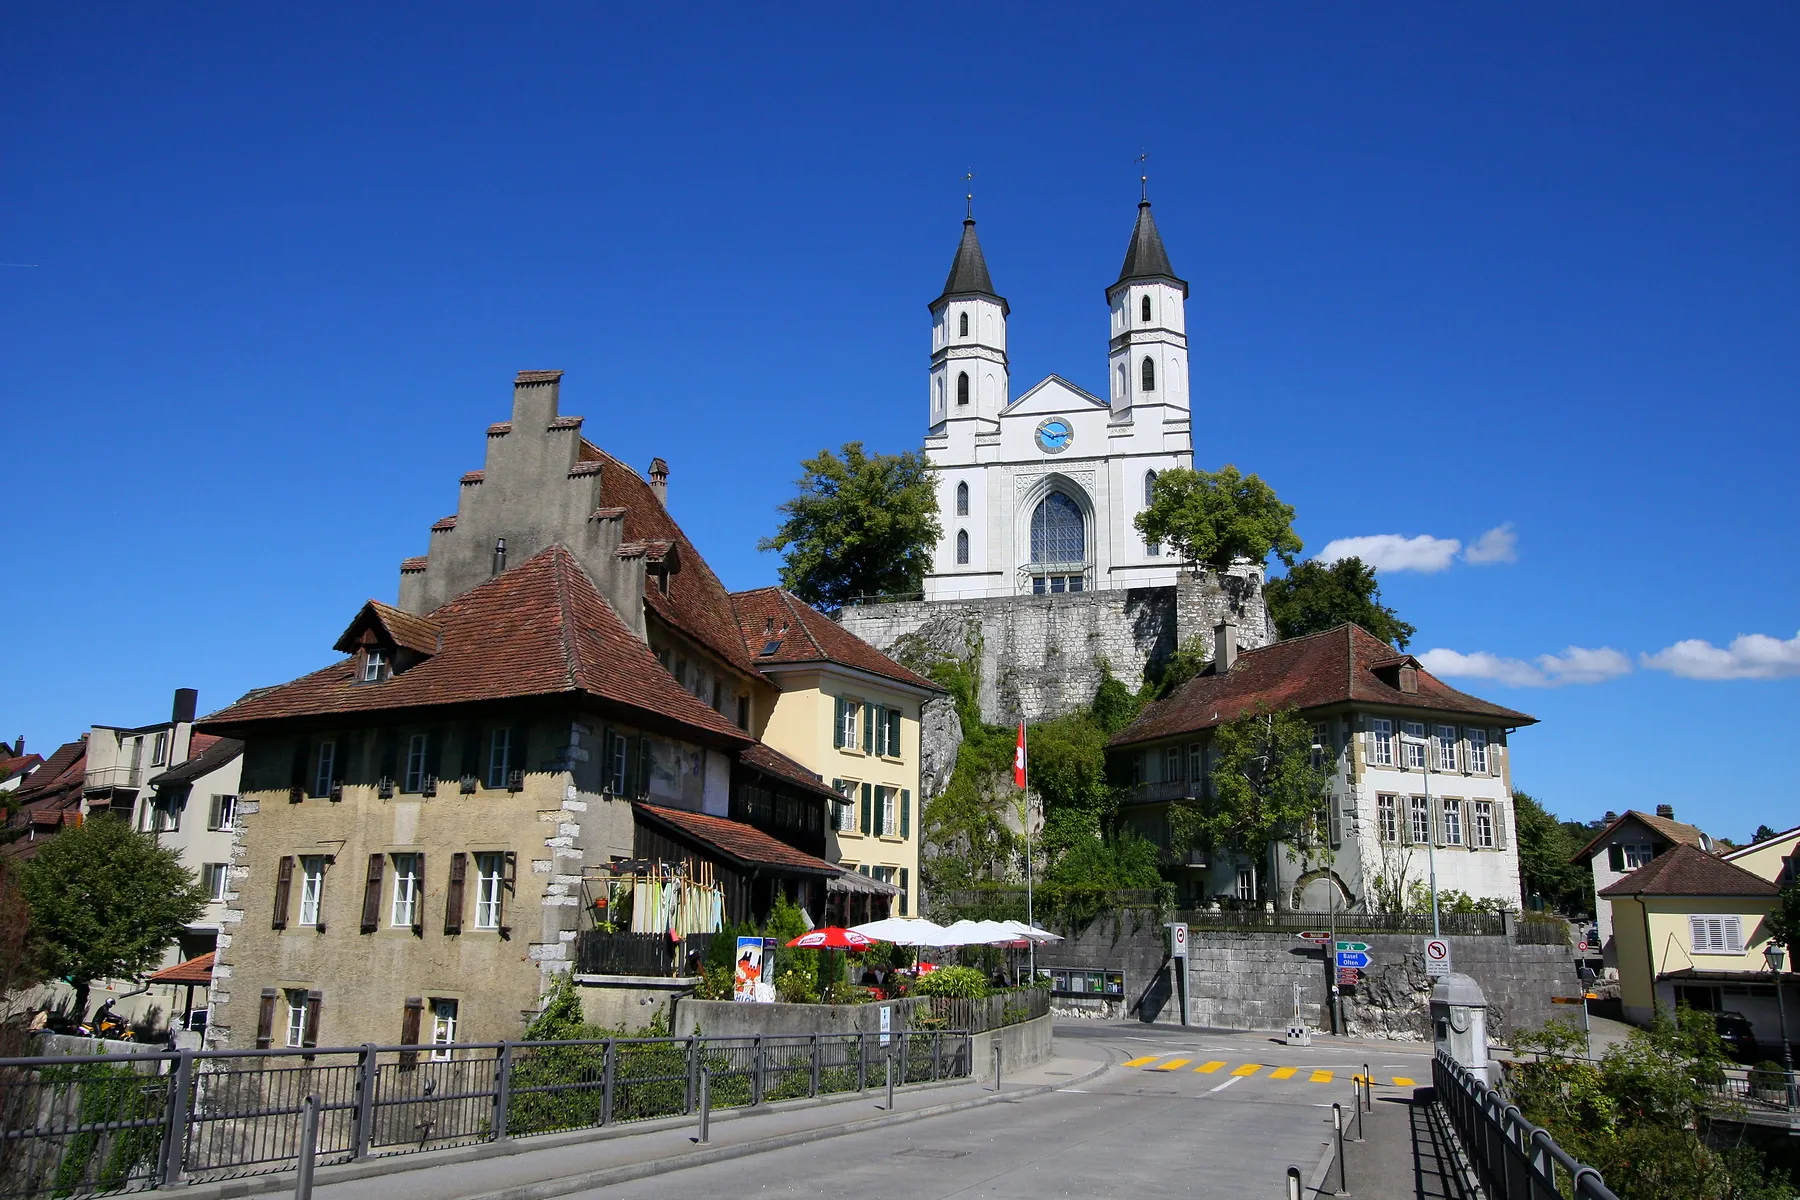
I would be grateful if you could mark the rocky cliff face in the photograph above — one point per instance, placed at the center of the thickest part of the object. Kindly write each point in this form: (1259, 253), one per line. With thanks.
(940, 736)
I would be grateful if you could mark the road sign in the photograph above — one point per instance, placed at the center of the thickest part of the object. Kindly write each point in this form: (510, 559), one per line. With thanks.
(1314, 935)
(1178, 939)
(1351, 947)
(1348, 976)
(1352, 958)
(1437, 958)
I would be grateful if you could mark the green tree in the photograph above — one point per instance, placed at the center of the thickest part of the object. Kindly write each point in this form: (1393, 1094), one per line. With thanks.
(21, 966)
(106, 901)
(1267, 787)
(861, 525)
(1313, 596)
(1763, 833)
(1545, 847)
(1784, 923)
(1215, 518)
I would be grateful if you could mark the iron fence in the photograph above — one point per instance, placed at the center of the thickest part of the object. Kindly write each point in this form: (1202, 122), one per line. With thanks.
(1458, 924)
(1540, 931)
(82, 1125)
(1512, 1158)
(601, 953)
(982, 1013)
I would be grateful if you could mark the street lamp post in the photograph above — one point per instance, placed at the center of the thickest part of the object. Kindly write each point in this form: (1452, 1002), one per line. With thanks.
(1424, 745)
(1776, 957)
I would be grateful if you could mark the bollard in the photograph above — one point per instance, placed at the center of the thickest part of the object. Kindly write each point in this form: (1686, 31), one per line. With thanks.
(309, 1146)
(705, 1106)
(1356, 1103)
(1293, 1181)
(996, 1066)
(1368, 1088)
(890, 1081)
(1337, 1120)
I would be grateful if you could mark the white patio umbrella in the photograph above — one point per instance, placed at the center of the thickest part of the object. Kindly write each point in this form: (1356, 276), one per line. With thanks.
(1032, 933)
(979, 933)
(903, 931)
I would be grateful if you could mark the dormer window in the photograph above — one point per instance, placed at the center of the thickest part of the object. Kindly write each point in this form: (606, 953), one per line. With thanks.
(374, 666)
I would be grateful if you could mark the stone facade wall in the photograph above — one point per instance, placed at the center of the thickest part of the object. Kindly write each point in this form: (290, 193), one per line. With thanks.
(1040, 655)
(1246, 980)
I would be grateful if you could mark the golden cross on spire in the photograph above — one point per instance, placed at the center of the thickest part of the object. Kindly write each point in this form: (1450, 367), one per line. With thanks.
(1144, 178)
(969, 200)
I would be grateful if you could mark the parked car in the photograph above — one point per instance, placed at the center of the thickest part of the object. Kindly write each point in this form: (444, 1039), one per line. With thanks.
(1737, 1034)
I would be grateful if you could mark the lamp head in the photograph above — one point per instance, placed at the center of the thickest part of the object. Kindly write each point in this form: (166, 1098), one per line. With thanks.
(1775, 955)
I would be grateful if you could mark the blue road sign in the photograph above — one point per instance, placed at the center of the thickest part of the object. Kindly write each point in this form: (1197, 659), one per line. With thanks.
(1352, 958)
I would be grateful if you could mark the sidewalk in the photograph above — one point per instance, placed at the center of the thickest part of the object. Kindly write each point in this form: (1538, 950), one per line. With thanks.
(563, 1163)
(1405, 1153)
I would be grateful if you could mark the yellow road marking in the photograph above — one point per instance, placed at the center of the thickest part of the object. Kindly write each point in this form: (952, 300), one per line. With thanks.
(1209, 1068)
(1320, 1077)
(1403, 1081)
(1174, 1064)
(1283, 1072)
(1248, 1069)
(1138, 1062)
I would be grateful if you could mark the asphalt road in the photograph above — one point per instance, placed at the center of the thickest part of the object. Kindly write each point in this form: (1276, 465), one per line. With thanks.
(1177, 1114)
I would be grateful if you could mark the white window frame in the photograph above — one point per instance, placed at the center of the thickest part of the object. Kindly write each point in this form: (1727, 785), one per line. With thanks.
(374, 664)
(1418, 811)
(416, 745)
(1381, 742)
(1484, 825)
(1446, 747)
(889, 800)
(312, 888)
(490, 889)
(1636, 854)
(1246, 883)
(843, 816)
(214, 877)
(159, 748)
(295, 1033)
(324, 768)
(1196, 763)
(499, 756)
(1450, 814)
(221, 816)
(1387, 818)
(443, 1027)
(1171, 763)
(404, 911)
(1413, 745)
(1478, 751)
(1716, 934)
(852, 719)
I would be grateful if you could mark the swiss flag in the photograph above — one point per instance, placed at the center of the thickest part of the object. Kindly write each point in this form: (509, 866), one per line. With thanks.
(1019, 759)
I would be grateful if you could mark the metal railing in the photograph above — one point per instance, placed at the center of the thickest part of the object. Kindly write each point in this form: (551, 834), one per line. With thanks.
(1461, 924)
(80, 1125)
(1541, 932)
(601, 953)
(116, 776)
(1512, 1159)
(983, 1013)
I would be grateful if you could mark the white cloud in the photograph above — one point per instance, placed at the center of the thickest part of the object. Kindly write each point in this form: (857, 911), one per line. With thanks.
(1750, 656)
(1498, 545)
(1574, 665)
(1394, 552)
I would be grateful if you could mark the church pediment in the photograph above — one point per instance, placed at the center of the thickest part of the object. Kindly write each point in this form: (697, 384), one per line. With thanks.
(1053, 394)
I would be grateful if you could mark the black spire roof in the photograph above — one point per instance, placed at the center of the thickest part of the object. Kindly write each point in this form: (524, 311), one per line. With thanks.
(1145, 257)
(968, 272)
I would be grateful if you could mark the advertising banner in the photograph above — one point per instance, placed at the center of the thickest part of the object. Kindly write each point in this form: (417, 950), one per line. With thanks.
(747, 974)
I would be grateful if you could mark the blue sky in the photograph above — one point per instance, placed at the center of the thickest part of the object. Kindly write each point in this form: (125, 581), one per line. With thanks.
(1454, 269)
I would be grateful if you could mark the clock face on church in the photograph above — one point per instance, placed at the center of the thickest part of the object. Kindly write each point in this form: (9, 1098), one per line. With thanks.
(1054, 435)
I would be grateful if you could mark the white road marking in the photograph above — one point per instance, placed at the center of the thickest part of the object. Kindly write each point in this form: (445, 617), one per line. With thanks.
(1228, 1083)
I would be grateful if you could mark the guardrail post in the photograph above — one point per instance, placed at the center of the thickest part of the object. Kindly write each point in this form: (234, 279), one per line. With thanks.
(309, 1145)
(862, 1061)
(502, 1090)
(758, 1063)
(996, 1064)
(174, 1140)
(1337, 1121)
(608, 1069)
(705, 1106)
(1356, 1090)
(693, 1066)
(1294, 1188)
(813, 1089)
(890, 1080)
(937, 1054)
(362, 1136)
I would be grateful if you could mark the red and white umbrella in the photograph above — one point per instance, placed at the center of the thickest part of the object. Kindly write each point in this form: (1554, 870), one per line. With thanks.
(833, 937)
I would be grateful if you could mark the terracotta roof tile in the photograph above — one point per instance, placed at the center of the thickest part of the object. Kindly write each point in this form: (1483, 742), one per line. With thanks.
(735, 840)
(773, 762)
(399, 626)
(567, 423)
(1690, 871)
(801, 633)
(1331, 667)
(473, 477)
(216, 753)
(539, 629)
(19, 764)
(194, 970)
(417, 562)
(444, 523)
(1679, 832)
(50, 798)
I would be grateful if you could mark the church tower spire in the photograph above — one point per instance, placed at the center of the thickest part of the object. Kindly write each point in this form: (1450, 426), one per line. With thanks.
(968, 339)
(1148, 363)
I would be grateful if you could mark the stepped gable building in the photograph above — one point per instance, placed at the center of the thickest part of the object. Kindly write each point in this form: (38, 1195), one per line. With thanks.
(563, 686)
(1421, 770)
(1040, 565)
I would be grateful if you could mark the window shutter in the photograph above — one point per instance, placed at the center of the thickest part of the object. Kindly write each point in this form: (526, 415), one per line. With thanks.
(453, 895)
(471, 750)
(265, 1019)
(315, 1004)
(302, 756)
(644, 762)
(284, 884)
(1733, 934)
(212, 813)
(371, 914)
(868, 808)
(905, 813)
(894, 732)
(409, 1031)
(868, 728)
(837, 722)
(903, 888)
(1499, 825)
(388, 740)
(1615, 857)
(509, 878)
(418, 925)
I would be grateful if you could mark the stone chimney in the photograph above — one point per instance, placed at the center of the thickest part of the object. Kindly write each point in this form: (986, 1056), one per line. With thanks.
(1666, 810)
(659, 480)
(1224, 646)
(187, 700)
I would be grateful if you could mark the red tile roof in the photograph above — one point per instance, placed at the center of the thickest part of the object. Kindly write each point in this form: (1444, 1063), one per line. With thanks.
(1331, 667)
(19, 764)
(800, 633)
(51, 797)
(1690, 871)
(1681, 833)
(734, 840)
(773, 762)
(194, 970)
(539, 629)
(399, 626)
(199, 743)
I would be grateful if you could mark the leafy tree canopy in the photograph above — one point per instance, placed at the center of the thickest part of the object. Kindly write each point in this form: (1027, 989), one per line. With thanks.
(1545, 847)
(1266, 787)
(1784, 923)
(1763, 833)
(861, 525)
(106, 901)
(1217, 517)
(1313, 596)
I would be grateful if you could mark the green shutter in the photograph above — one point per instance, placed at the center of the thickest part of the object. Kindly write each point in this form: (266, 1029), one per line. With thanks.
(868, 730)
(903, 887)
(868, 808)
(837, 722)
(894, 732)
(905, 813)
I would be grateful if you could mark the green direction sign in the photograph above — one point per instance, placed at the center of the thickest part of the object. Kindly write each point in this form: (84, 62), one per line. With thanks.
(1352, 947)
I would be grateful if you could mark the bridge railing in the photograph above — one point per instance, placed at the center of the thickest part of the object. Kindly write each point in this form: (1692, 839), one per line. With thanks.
(1512, 1158)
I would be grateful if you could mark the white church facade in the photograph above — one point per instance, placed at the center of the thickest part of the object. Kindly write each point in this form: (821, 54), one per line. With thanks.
(1038, 494)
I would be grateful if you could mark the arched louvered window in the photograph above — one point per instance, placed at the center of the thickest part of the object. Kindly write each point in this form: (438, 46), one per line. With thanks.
(962, 387)
(962, 499)
(962, 547)
(1149, 372)
(964, 324)
(1146, 309)
(1058, 532)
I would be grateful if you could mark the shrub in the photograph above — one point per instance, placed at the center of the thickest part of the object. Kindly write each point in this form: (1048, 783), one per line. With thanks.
(962, 983)
(797, 985)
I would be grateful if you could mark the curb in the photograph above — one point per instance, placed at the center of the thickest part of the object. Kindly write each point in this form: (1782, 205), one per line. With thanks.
(1315, 1183)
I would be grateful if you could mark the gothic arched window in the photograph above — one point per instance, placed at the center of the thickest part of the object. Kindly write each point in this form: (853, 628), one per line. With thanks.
(1149, 380)
(1149, 486)
(962, 547)
(962, 499)
(1146, 309)
(1058, 531)
(965, 325)
(962, 387)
